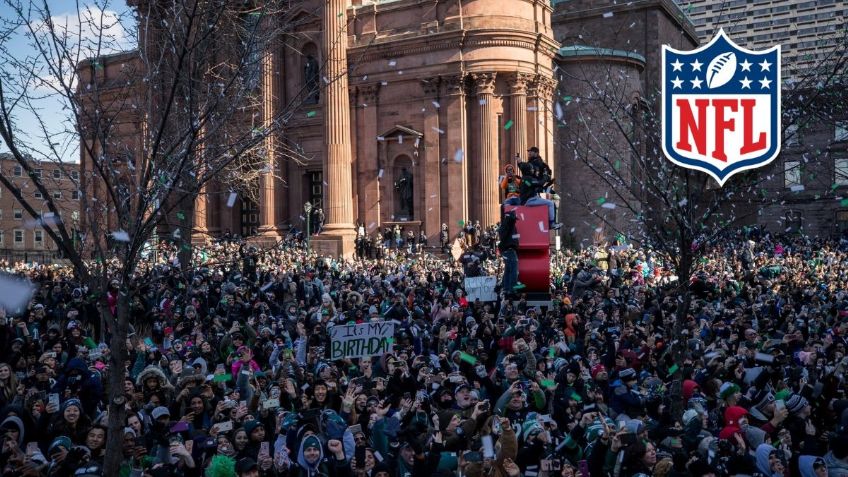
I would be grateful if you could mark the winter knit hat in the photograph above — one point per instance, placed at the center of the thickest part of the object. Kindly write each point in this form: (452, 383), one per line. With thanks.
(796, 403)
(728, 389)
(597, 369)
(689, 415)
(72, 402)
(311, 442)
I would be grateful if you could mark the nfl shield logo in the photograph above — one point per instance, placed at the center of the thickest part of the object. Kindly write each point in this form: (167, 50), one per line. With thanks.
(721, 107)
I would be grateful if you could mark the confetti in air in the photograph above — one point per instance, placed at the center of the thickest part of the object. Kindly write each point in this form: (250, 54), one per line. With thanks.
(457, 156)
(231, 200)
(608, 15)
(121, 236)
(380, 174)
(609, 205)
(14, 293)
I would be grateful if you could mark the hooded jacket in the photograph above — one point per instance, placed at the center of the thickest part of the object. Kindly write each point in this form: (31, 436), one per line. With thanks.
(731, 421)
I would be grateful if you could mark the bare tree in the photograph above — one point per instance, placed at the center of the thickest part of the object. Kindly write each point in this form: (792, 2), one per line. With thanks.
(612, 137)
(155, 124)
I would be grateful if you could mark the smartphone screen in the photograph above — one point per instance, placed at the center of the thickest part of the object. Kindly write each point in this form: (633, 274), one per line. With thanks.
(360, 457)
(264, 449)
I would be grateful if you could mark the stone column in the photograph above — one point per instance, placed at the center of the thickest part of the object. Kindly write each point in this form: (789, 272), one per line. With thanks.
(267, 193)
(535, 112)
(367, 161)
(518, 92)
(338, 206)
(547, 126)
(489, 214)
(455, 198)
(200, 231)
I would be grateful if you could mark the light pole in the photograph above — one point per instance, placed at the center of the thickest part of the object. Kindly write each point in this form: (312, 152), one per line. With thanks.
(307, 207)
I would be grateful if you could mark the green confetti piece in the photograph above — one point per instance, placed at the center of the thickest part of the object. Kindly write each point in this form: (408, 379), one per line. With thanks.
(834, 186)
(311, 114)
(467, 358)
(601, 200)
(576, 397)
(567, 98)
(186, 247)
(843, 202)
(673, 369)
(220, 378)
(617, 164)
(551, 352)
(461, 223)
(180, 215)
(508, 125)
(341, 14)
(548, 383)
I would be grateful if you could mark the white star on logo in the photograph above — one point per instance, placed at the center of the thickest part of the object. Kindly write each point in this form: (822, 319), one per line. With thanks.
(765, 65)
(696, 83)
(745, 65)
(746, 83)
(677, 82)
(677, 65)
(696, 66)
(764, 83)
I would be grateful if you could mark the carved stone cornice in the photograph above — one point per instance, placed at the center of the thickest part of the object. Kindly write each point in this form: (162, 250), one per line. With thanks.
(518, 83)
(431, 85)
(484, 82)
(543, 87)
(369, 93)
(454, 85)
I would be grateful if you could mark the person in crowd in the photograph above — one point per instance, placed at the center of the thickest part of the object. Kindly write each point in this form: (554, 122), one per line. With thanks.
(630, 370)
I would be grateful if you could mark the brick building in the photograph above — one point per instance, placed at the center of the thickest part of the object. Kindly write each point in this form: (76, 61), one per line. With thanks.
(448, 91)
(21, 236)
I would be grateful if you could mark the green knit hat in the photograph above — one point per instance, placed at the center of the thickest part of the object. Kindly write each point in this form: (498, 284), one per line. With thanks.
(727, 390)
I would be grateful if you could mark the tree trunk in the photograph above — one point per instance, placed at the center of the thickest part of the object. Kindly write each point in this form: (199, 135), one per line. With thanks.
(117, 401)
(684, 273)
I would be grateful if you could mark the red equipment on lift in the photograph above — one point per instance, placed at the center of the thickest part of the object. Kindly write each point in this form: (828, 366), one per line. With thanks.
(534, 251)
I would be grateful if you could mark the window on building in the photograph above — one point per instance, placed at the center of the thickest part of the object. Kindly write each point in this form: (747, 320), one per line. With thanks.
(840, 132)
(37, 173)
(75, 175)
(19, 238)
(840, 168)
(38, 237)
(75, 195)
(19, 214)
(2, 241)
(18, 171)
(38, 195)
(57, 195)
(57, 174)
(791, 173)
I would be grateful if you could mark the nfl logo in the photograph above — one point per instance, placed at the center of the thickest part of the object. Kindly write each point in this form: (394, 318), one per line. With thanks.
(721, 107)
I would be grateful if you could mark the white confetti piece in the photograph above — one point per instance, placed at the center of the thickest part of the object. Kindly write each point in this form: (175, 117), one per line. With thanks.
(532, 108)
(417, 141)
(440, 131)
(482, 102)
(797, 188)
(400, 72)
(572, 230)
(392, 63)
(121, 236)
(683, 202)
(380, 174)
(458, 155)
(371, 225)
(326, 80)
(400, 139)
(542, 226)
(598, 230)
(430, 209)
(231, 200)
(609, 205)
(381, 138)
(14, 293)
(176, 233)
(365, 78)
(302, 217)
(516, 236)
(433, 196)
(436, 104)
(608, 15)
(558, 110)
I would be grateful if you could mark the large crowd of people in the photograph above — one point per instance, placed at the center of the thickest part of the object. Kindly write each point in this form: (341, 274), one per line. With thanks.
(230, 376)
